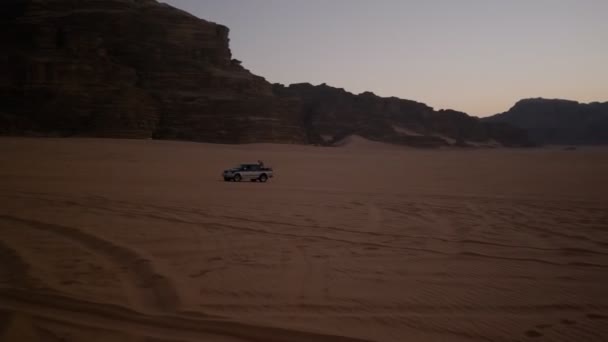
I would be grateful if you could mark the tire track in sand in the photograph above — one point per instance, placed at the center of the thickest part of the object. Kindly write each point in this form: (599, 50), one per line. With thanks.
(14, 270)
(146, 286)
(88, 314)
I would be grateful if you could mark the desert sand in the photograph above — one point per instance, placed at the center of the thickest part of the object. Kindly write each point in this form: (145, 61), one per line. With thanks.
(132, 240)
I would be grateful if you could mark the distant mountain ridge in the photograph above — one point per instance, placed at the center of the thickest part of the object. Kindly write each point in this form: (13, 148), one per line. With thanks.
(560, 122)
(143, 69)
(329, 114)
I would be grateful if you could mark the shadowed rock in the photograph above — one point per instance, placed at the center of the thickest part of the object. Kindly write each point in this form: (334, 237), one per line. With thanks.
(330, 114)
(560, 122)
(143, 69)
(125, 68)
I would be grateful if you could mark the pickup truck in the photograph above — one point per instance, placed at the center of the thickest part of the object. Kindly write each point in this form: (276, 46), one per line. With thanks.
(252, 172)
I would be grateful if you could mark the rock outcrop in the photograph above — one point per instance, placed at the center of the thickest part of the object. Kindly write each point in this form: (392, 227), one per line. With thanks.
(143, 69)
(559, 122)
(330, 114)
(130, 68)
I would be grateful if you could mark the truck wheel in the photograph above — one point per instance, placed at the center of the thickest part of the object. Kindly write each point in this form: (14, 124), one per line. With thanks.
(237, 178)
(263, 178)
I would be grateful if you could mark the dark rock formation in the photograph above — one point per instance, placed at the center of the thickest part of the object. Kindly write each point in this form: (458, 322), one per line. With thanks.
(560, 122)
(329, 114)
(130, 68)
(142, 69)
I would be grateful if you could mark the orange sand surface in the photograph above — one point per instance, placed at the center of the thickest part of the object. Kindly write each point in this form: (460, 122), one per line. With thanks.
(124, 240)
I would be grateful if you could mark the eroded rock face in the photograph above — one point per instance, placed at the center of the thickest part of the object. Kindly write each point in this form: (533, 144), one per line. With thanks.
(133, 68)
(329, 114)
(560, 122)
(143, 69)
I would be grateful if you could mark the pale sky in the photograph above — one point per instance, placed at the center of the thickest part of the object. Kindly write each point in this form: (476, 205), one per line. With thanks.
(476, 56)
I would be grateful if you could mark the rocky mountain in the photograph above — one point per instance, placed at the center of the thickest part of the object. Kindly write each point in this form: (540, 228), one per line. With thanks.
(559, 122)
(143, 69)
(329, 114)
(130, 68)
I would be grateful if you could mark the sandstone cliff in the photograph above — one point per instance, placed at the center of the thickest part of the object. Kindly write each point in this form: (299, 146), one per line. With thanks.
(130, 68)
(559, 122)
(143, 69)
(329, 114)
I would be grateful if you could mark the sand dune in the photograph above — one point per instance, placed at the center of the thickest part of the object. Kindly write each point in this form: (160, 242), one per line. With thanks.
(118, 240)
(361, 143)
